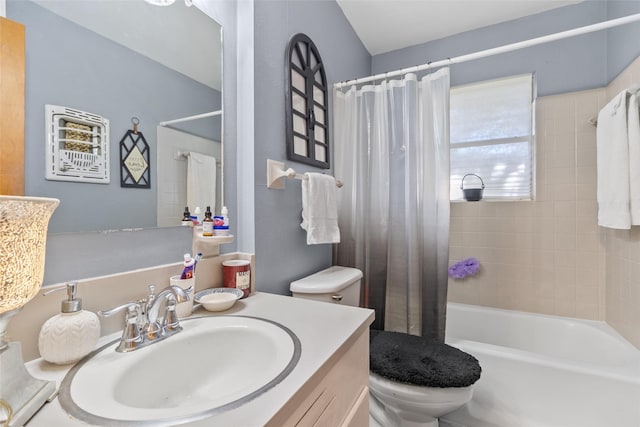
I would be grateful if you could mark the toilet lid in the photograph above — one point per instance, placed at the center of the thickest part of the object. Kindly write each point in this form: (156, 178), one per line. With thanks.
(420, 361)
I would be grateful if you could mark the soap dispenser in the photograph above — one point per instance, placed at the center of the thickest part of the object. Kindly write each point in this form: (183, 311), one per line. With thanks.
(69, 336)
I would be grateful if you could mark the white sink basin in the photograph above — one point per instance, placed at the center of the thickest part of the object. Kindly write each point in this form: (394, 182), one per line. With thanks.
(214, 364)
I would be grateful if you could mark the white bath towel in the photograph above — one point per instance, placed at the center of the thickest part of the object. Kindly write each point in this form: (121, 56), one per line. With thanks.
(319, 209)
(613, 164)
(633, 134)
(201, 182)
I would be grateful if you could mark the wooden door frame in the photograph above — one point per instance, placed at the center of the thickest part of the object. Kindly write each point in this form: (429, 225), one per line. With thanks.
(12, 107)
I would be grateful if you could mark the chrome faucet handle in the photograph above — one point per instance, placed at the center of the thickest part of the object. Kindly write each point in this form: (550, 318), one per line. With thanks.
(151, 296)
(131, 337)
(170, 322)
(115, 310)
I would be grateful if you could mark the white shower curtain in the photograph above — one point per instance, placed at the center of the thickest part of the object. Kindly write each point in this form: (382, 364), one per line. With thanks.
(392, 153)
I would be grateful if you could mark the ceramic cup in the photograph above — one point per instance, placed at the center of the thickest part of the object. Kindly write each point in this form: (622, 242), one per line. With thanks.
(184, 309)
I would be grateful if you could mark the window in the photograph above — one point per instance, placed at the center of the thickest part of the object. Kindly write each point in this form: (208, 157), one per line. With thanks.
(492, 135)
(307, 104)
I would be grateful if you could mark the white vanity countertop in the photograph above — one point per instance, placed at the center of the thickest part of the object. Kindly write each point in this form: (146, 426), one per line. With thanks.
(322, 329)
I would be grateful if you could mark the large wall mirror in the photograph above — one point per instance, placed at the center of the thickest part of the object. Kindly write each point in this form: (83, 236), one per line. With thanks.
(120, 60)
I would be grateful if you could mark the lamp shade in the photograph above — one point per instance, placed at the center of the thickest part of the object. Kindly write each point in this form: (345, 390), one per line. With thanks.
(23, 235)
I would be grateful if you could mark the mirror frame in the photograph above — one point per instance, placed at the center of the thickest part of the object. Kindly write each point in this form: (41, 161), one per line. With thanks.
(12, 112)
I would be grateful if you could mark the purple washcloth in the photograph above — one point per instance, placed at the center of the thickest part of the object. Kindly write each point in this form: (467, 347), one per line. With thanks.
(464, 268)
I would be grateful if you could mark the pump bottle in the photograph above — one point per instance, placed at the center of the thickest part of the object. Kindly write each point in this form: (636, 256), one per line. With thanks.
(70, 335)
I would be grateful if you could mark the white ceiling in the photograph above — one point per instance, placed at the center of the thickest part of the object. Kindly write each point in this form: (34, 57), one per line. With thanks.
(386, 25)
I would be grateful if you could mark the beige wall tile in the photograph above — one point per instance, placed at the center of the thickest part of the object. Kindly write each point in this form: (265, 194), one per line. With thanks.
(558, 262)
(533, 252)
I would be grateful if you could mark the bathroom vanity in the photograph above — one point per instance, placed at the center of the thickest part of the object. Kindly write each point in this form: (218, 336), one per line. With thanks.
(327, 386)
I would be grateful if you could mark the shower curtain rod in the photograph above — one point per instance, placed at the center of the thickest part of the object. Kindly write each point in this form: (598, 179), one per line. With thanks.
(497, 50)
(197, 116)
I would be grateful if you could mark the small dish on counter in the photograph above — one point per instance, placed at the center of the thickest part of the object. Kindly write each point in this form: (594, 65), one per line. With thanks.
(218, 299)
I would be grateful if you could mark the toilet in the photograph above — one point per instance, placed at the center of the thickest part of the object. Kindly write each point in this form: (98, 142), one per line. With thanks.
(340, 285)
(412, 380)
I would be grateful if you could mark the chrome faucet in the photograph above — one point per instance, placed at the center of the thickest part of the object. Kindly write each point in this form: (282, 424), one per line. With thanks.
(142, 326)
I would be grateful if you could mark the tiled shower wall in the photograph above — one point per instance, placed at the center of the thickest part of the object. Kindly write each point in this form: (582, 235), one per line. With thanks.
(622, 248)
(549, 255)
(543, 256)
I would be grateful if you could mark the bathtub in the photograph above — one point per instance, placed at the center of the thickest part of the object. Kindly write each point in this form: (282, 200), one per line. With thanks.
(544, 371)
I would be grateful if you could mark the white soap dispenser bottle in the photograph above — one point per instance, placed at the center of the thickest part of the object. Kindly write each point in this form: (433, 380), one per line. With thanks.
(69, 336)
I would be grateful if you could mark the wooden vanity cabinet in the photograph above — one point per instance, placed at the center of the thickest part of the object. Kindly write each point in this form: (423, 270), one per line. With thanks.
(337, 394)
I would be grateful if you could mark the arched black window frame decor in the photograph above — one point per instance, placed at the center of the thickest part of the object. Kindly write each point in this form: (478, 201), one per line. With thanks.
(306, 85)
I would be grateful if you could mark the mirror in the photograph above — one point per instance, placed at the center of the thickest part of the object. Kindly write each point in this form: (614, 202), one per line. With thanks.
(121, 60)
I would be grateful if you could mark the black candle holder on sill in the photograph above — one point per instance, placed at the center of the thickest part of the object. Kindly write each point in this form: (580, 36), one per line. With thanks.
(472, 194)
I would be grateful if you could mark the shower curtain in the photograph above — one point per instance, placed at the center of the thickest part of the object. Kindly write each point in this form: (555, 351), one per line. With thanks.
(392, 153)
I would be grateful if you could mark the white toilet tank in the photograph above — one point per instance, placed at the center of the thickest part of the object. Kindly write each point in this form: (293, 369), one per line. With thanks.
(336, 284)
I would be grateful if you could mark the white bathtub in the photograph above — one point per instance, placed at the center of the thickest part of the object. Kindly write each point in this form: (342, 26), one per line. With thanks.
(543, 371)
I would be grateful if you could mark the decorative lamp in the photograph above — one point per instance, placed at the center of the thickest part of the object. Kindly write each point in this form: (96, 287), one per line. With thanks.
(23, 234)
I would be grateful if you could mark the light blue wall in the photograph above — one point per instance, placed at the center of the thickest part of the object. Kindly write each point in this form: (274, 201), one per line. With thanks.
(567, 65)
(71, 66)
(623, 43)
(282, 254)
(577, 63)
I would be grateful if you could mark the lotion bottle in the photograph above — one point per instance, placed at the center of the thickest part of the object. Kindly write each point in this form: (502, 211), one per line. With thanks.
(70, 335)
(225, 215)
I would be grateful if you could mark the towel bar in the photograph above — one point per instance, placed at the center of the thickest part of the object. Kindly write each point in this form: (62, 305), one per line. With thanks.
(182, 155)
(276, 173)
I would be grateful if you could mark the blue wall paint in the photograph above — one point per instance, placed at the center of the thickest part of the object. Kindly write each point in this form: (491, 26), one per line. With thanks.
(282, 254)
(71, 66)
(74, 256)
(623, 43)
(567, 65)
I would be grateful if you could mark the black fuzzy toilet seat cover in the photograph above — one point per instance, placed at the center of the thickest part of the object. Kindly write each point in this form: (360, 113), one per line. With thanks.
(420, 361)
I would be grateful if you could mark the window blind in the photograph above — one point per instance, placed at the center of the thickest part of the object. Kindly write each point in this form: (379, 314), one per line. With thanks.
(492, 135)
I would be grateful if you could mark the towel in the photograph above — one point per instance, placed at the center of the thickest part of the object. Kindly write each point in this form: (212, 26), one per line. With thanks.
(319, 209)
(633, 134)
(613, 163)
(201, 181)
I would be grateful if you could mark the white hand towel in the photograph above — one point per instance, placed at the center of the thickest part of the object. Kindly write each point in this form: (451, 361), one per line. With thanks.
(613, 164)
(319, 209)
(201, 181)
(633, 133)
